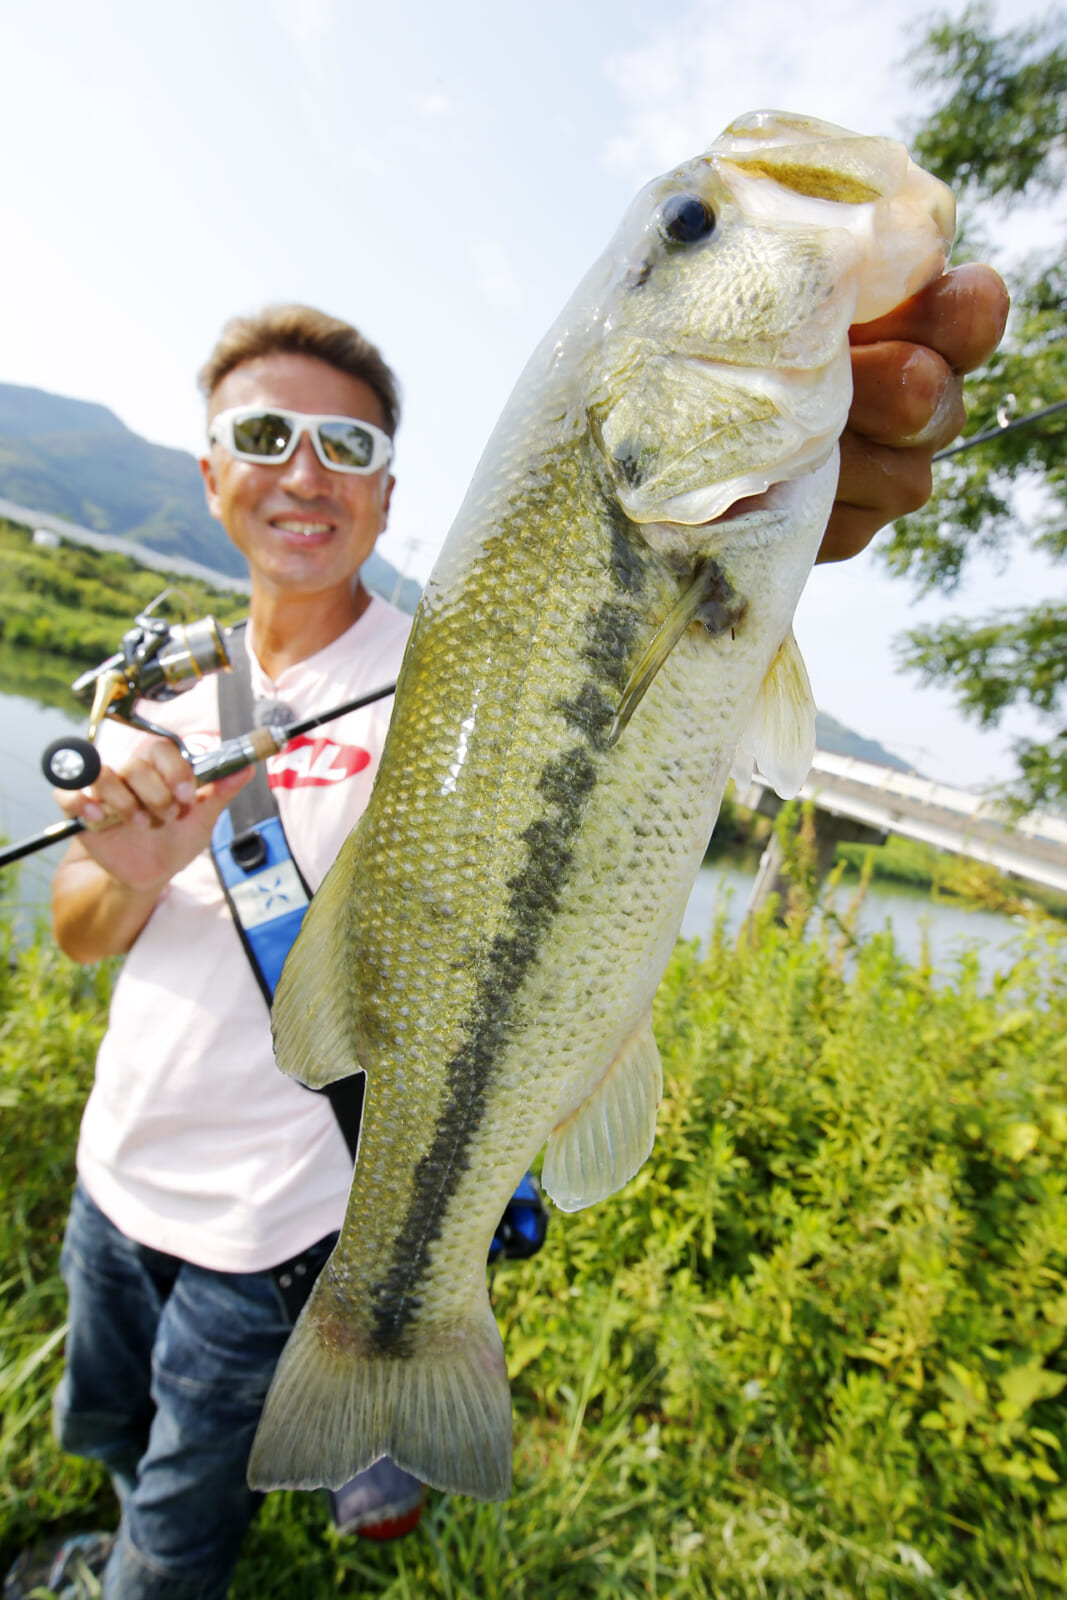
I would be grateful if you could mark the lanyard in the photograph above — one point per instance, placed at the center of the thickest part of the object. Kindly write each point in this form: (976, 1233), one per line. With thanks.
(264, 888)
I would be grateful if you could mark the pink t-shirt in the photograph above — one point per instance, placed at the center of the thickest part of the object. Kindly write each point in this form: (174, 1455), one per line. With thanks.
(192, 1141)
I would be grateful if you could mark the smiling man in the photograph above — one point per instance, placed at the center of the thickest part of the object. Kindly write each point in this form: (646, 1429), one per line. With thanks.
(210, 1187)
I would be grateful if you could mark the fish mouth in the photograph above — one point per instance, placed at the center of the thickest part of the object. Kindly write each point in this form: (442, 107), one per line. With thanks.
(769, 505)
(746, 506)
(750, 519)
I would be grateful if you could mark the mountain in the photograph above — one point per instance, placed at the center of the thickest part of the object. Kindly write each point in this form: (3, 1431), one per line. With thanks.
(76, 460)
(834, 737)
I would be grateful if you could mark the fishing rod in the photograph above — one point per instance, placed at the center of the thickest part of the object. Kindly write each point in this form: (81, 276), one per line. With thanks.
(1007, 425)
(157, 661)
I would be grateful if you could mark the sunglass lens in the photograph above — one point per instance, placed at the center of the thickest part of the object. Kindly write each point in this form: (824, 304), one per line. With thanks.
(346, 444)
(265, 434)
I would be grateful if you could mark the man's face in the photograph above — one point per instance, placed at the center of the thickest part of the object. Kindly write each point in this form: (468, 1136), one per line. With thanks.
(302, 528)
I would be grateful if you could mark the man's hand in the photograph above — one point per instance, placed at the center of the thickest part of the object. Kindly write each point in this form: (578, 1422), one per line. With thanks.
(907, 370)
(145, 821)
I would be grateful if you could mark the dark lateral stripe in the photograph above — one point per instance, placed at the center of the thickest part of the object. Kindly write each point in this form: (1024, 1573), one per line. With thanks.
(610, 646)
(566, 784)
(591, 711)
(628, 556)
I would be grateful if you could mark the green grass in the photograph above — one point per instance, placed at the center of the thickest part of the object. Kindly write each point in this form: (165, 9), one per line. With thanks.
(51, 1017)
(815, 1349)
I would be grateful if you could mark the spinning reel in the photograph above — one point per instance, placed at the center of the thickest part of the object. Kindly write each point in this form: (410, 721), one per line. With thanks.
(157, 660)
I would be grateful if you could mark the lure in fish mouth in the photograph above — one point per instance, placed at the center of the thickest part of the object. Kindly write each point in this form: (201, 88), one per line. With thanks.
(606, 632)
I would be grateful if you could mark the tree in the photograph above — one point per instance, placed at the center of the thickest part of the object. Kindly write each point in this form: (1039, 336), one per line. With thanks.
(999, 138)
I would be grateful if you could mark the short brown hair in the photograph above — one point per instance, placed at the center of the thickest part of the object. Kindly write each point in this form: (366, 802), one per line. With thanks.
(307, 332)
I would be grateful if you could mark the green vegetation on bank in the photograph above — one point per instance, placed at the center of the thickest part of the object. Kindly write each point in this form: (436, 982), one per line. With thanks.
(741, 835)
(77, 603)
(815, 1349)
(922, 867)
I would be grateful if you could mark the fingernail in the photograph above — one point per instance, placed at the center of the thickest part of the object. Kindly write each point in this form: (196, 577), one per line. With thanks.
(186, 793)
(91, 812)
(943, 399)
(141, 819)
(937, 429)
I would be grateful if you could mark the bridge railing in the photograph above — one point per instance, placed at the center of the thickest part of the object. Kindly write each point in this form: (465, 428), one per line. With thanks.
(1044, 826)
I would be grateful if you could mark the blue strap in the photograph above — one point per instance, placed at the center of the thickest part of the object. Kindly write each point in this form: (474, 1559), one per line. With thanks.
(521, 1230)
(268, 902)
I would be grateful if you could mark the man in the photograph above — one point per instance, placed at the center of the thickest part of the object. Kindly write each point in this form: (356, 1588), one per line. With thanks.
(205, 1177)
(180, 1148)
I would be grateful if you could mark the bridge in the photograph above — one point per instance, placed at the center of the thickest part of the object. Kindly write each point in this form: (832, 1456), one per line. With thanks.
(861, 801)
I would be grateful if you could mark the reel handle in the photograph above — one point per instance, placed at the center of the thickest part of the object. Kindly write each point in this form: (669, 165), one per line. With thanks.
(71, 763)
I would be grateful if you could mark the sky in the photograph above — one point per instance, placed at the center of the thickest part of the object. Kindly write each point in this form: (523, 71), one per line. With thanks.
(441, 175)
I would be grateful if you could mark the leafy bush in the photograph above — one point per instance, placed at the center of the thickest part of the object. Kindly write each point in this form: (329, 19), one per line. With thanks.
(814, 1349)
(835, 1297)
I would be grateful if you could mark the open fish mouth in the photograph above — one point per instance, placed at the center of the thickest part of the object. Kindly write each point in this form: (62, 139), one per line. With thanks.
(770, 505)
(748, 505)
(749, 521)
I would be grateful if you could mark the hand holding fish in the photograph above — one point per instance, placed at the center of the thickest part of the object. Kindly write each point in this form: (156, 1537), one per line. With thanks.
(907, 370)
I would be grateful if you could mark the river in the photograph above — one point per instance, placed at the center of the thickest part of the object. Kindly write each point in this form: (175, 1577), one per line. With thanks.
(917, 920)
(29, 722)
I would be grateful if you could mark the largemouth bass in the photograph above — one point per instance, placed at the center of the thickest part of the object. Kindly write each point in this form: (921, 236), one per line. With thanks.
(608, 625)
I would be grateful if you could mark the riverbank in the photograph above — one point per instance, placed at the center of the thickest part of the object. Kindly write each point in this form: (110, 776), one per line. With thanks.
(817, 1347)
(62, 609)
(75, 603)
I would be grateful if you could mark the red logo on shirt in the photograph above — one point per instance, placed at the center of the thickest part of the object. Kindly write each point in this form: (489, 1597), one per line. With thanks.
(309, 762)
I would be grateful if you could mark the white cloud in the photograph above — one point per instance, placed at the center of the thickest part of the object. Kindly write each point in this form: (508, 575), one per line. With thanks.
(434, 105)
(840, 60)
(495, 276)
(713, 65)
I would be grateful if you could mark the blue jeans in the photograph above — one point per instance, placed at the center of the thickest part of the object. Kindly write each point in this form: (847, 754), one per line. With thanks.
(167, 1369)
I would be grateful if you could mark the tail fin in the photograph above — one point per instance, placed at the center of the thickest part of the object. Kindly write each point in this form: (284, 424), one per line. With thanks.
(442, 1413)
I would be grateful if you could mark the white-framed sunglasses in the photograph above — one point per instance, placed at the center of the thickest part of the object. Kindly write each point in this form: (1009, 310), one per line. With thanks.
(269, 434)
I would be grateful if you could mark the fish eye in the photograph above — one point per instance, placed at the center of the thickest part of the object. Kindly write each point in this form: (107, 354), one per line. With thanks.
(685, 219)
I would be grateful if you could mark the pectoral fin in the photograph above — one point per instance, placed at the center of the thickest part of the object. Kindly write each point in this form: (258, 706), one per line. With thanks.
(709, 597)
(602, 1144)
(780, 736)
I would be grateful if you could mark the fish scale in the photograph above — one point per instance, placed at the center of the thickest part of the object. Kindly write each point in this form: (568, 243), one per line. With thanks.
(606, 632)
